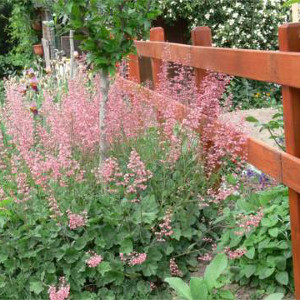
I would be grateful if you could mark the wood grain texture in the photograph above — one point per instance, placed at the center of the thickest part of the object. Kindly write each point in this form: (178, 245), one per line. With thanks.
(265, 158)
(134, 68)
(270, 66)
(156, 34)
(201, 36)
(289, 40)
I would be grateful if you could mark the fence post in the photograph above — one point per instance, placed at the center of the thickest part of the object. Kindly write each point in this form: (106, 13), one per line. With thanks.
(201, 36)
(289, 40)
(157, 34)
(134, 68)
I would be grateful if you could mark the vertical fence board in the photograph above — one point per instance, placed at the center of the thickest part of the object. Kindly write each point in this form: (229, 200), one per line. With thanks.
(157, 34)
(201, 36)
(289, 40)
(134, 68)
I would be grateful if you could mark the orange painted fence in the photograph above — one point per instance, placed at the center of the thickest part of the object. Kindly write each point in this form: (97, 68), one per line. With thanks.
(281, 67)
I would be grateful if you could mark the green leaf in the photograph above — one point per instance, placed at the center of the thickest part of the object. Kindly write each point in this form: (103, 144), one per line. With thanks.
(104, 267)
(250, 253)
(226, 295)
(282, 278)
(251, 119)
(149, 268)
(290, 2)
(249, 270)
(266, 272)
(126, 246)
(36, 287)
(180, 287)
(273, 232)
(215, 269)
(80, 243)
(276, 296)
(198, 289)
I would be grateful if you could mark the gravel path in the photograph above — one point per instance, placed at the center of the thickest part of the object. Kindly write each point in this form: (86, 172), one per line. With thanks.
(264, 115)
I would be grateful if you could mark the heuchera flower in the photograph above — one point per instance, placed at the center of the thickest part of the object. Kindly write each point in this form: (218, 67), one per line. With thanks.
(133, 258)
(94, 260)
(174, 269)
(77, 220)
(60, 293)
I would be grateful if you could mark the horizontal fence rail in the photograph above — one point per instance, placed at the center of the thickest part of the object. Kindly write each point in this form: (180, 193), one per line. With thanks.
(281, 166)
(270, 66)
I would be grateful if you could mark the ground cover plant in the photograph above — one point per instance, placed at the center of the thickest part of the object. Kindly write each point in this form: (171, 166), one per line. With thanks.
(71, 229)
(260, 225)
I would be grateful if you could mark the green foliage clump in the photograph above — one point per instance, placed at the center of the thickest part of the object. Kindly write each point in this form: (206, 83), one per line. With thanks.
(107, 28)
(36, 250)
(267, 264)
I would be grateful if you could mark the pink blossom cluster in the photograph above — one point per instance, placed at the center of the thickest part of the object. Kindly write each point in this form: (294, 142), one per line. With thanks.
(206, 257)
(128, 114)
(133, 258)
(60, 293)
(174, 269)
(153, 286)
(94, 260)
(110, 171)
(136, 180)
(77, 220)
(54, 207)
(23, 188)
(248, 222)
(222, 193)
(165, 228)
(235, 254)
(46, 136)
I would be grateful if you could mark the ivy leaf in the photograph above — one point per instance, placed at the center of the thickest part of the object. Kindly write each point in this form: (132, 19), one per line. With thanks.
(36, 287)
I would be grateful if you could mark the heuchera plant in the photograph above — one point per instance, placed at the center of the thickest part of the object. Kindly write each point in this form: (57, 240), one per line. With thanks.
(71, 229)
(107, 29)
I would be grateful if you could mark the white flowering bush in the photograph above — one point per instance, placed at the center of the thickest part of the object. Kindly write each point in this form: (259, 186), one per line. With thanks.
(242, 24)
(236, 24)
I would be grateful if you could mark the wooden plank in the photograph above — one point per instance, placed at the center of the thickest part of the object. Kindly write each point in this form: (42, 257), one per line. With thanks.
(289, 40)
(271, 66)
(201, 36)
(291, 171)
(156, 34)
(134, 68)
(265, 158)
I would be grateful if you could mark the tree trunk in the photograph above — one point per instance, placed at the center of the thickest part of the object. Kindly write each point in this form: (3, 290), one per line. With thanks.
(104, 89)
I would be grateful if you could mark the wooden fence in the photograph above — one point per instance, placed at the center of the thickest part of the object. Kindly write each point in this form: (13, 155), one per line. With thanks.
(281, 67)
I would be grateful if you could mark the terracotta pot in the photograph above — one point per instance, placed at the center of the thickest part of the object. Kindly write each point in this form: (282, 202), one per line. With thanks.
(36, 25)
(38, 49)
